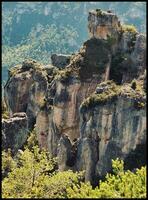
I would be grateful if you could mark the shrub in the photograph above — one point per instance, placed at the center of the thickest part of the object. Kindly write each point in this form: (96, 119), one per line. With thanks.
(33, 167)
(129, 28)
(99, 12)
(33, 177)
(109, 93)
(32, 139)
(64, 75)
(121, 184)
(8, 163)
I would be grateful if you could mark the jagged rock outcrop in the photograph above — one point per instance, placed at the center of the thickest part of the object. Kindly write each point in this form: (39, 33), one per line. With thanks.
(60, 60)
(26, 88)
(83, 123)
(14, 131)
(118, 117)
(71, 85)
(102, 25)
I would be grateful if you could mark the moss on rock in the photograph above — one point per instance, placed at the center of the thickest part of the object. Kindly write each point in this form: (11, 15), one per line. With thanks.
(111, 90)
(129, 28)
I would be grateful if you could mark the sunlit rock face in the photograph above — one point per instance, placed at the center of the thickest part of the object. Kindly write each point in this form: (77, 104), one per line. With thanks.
(69, 88)
(60, 99)
(102, 25)
(14, 131)
(26, 88)
(121, 129)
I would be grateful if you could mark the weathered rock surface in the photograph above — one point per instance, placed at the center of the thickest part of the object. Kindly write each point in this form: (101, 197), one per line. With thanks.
(60, 60)
(69, 88)
(64, 153)
(120, 124)
(26, 88)
(102, 25)
(83, 123)
(14, 131)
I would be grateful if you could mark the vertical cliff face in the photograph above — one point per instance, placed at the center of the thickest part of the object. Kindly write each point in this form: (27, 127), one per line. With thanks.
(120, 123)
(26, 88)
(82, 123)
(102, 25)
(77, 81)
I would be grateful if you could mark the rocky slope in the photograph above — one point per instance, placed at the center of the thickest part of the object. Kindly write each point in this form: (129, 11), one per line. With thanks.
(81, 117)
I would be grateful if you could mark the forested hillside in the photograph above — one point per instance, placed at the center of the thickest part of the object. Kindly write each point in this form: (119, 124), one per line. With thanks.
(38, 29)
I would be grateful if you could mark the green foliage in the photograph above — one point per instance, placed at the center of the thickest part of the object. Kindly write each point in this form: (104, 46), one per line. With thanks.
(64, 75)
(129, 28)
(32, 168)
(111, 91)
(56, 186)
(121, 184)
(32, 139)
(35, 30)
(40, 46)
(35, 177)
(8, 163)
(139, 104)
(99, 12)
(83, 190)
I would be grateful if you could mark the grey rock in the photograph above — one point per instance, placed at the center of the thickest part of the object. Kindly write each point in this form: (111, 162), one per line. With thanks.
(14, 131)
(87, 157)
(64, 153)
(102, 24)
(139, 54)
(60, 60)
(26, 88)
(120, 128)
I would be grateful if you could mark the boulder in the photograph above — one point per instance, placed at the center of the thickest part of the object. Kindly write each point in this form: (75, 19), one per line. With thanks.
(14, 131)
(60, 60)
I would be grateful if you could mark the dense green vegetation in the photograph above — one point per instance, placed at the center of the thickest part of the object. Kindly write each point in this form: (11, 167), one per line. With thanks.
(33, 174)
(37, 29)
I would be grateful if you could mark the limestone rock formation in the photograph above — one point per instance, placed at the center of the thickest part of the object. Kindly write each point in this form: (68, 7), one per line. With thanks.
(60, 60)
(102, 25)
(119, 120)
(14, 131)
(26, 88)
(88, 156)
(81, 116)
(64, 153)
